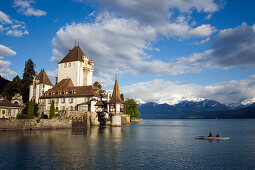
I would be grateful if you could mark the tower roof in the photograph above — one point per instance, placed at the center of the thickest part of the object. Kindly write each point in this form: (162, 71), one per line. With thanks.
(116, 94)
(75, 54)
(43, 78)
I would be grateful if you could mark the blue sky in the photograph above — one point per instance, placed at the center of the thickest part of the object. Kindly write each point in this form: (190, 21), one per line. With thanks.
(161, 50)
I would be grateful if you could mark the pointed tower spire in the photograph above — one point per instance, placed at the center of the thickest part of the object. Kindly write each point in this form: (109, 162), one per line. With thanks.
(78, 42)
(116, 93)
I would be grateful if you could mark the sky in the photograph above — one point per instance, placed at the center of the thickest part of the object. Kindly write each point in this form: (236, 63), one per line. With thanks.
(162, 50)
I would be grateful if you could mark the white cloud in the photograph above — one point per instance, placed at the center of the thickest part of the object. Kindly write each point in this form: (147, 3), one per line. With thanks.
(5, 51)
(235, 47)
(25, 7)
(183, 30)
(157, 12)
(203, 30)
(115, 42)
(226, 92)
(16, 33)
(202, 42)
(4, 18)
(12, 27)
(104, 79)
(5, 71)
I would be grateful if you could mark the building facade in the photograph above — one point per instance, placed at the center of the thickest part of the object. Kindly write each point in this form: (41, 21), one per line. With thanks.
(74, 92)
(9, 110)
(41, 83)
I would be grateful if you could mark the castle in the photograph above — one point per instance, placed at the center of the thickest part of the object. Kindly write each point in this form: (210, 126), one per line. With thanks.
(74, 94)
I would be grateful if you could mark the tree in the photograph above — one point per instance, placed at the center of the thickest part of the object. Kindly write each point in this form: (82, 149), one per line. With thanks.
(97, 84)
(3, 83)
(30, 112)
(132, 108)
(52, 109)
(28, 75)
(122, 96)
(12, 88)
(25, 110)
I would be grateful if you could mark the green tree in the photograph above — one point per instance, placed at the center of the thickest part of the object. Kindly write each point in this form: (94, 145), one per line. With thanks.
(25, 110)
(122, 96)
(28, 75)
(52, 109)
(30, 112)
(12, 87)
(97, 84)
(132, 108)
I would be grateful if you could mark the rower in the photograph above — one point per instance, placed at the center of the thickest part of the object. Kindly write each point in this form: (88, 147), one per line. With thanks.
(217, 135)
(210, 134)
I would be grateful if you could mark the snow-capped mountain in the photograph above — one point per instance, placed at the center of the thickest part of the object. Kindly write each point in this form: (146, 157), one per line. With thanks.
(174, 101)
(243, 104)
(181, 108)
(248, 102)
(139, 101)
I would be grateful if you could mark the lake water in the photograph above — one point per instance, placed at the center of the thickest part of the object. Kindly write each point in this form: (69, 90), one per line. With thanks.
(152, 144)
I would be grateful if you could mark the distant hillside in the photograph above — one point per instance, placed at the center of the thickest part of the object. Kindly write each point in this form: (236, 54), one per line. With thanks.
(243, 113)
(184, 109)
(3, 83)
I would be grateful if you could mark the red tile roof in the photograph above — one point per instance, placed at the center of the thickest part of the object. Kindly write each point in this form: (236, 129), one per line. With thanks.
(6, 103)
(76, 54)
(43, 78)
(116, 94)
(65, 88)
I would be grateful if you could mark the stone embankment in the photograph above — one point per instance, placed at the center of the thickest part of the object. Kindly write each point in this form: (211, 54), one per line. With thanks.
(136, 120)
(22, 124)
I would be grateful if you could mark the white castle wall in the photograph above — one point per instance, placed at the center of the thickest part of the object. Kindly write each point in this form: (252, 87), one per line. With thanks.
(37, 90)
(69, 70)
(75, 71)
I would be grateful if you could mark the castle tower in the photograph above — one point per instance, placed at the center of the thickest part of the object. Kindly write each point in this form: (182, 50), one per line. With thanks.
(76, 65)
(117, 105)
(41, 83)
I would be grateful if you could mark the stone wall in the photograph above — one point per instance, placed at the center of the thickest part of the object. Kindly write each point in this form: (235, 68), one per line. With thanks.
(20, 124)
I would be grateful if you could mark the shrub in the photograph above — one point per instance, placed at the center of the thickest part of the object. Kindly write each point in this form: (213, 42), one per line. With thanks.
(30, 112)
(57, 115)
(38, 120)
(52, 109)
(22, 116)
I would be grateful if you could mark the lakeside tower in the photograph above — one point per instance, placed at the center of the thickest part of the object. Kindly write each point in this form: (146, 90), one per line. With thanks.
(76, 66)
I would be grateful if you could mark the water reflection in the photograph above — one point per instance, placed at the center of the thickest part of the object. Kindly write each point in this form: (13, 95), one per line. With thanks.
(162, 144)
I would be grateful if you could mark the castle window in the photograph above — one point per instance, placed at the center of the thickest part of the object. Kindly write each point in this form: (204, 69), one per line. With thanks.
(70, 64)
(71, 107)
(49, 101)
(65, 65)
(62, 108)
(63, 100)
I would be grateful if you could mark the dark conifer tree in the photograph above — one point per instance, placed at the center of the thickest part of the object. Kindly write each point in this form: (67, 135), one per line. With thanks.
(28, 75)
(13, 87)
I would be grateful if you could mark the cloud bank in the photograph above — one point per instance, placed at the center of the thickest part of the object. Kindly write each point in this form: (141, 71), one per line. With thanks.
(227, 92)
(5, 71)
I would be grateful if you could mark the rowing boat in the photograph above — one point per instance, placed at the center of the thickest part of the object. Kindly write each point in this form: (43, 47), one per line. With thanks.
(212, 138)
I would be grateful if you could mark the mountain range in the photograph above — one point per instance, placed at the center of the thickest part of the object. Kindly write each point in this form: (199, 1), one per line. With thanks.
(198, 108)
